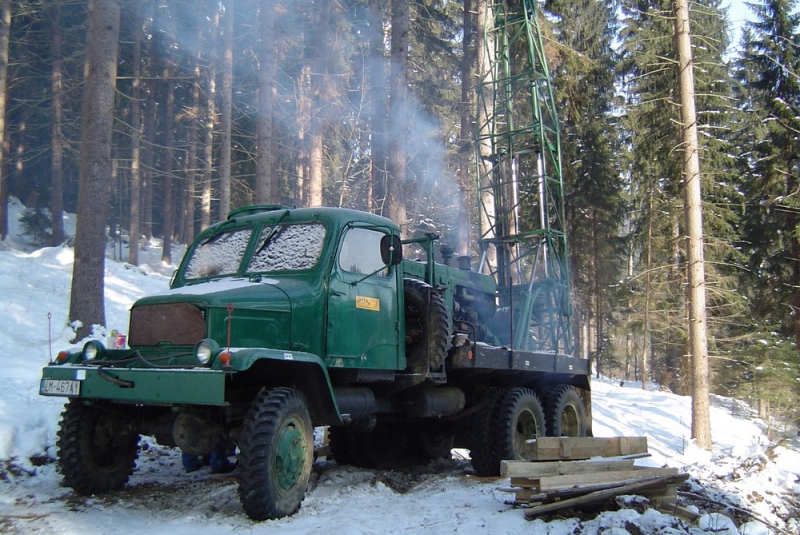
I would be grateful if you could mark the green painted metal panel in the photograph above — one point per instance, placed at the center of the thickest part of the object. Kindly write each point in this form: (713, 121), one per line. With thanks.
(363, 306)
(185, 386)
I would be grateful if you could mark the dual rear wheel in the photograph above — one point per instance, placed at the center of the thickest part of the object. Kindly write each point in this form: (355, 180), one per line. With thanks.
(507, 418)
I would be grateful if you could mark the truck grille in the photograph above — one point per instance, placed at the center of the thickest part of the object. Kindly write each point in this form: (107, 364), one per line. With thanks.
(179, 323)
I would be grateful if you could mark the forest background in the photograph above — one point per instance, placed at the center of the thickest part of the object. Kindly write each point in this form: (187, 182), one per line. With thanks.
(370, 104)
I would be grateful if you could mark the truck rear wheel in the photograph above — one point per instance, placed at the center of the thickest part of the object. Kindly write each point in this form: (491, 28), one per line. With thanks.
(275, 454)
(433, 441)
(427, 327)
(519, 417)
(97, 448)
(566, 415)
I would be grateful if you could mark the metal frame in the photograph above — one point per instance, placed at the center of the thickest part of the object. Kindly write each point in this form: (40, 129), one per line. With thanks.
(522, 242)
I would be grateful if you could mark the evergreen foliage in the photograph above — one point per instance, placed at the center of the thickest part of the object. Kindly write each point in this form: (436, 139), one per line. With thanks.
(583, 70)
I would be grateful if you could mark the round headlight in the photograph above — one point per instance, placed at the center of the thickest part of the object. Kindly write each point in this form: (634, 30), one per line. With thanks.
(92, 350)
(205, 350)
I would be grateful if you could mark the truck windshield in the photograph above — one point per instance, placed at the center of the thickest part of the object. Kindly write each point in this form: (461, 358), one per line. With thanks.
(288, 247)
(278, 248)
(219, 255)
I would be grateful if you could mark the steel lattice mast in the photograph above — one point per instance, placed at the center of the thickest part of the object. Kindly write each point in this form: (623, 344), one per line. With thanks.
(521, 197)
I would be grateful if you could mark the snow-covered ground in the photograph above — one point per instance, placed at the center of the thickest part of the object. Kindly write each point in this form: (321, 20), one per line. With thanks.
(745, 471)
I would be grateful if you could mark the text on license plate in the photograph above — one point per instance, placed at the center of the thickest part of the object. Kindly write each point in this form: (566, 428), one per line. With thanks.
(53, 387)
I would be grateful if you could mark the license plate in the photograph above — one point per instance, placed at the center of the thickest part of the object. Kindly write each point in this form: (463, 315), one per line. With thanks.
(53, 387)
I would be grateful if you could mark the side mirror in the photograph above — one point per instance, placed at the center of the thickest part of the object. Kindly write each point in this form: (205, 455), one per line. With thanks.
(391, 250)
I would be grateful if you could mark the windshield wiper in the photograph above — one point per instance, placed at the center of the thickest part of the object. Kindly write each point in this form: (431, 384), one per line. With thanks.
(272, 233)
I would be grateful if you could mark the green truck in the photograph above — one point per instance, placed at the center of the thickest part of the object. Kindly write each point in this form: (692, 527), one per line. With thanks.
(279, 320)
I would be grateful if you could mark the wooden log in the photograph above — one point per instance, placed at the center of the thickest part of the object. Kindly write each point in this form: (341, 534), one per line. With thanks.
(634, 487)
(555, 448)
(525, 482)
(671, 508)
(547, 483)
(556, 468)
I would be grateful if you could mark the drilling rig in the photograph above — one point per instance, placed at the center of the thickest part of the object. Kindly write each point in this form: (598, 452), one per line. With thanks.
(523, 241)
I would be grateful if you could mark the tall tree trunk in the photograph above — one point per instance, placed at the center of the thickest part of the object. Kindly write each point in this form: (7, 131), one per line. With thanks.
(211, 117)
(597, 309)
(56, 142)
(398, 122)
(648, 290)
(377, 95)
(87, 306)
(148, 158)
(466, 144)
(794, 248)
(321, 38)
(169, 144)
(5, 29)
(315, 166)
(485, 110)
(303, 118)
(225, 117)
(191, 156)
(701, 425)
(266, 71)
(136, 138)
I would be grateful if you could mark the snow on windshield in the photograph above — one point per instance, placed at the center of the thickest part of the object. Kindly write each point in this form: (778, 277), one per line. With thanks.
(289, 247)
(221, 255)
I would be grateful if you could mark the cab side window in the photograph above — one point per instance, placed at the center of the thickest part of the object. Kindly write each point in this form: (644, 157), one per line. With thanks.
(361, 252)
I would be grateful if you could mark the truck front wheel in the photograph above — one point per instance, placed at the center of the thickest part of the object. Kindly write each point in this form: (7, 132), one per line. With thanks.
(97, 448)
(276, 451)
(482, 439)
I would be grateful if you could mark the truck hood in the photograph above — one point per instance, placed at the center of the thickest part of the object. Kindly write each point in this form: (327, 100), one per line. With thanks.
(260, 312)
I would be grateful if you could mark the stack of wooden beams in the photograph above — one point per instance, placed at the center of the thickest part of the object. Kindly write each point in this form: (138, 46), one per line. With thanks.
(577, 472)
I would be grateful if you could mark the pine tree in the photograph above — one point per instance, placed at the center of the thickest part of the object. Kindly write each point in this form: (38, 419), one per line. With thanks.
(652, 133)
(87, 305)
(772, 55)
(583, 68)
(766, 363)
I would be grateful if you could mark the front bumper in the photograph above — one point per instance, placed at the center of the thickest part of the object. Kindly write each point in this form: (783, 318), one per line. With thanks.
(135, 385)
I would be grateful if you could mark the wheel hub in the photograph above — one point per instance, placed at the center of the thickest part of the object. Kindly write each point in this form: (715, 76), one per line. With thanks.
(290, 456)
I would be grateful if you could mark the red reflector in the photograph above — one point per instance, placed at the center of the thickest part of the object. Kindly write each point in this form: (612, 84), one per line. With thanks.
(225, 358)
(62, 356)
(470, 355)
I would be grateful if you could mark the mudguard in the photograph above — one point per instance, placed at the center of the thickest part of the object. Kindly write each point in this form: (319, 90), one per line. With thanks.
(304, 371)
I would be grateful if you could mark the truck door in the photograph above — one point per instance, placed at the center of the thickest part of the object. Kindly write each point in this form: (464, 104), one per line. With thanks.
(363, 305)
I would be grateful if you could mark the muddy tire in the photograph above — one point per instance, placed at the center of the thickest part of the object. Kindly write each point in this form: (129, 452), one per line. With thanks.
(565, 413)
(427, 327)
(485, 460)
(97, 448)
(519, 417)
(276, 452)
(340, 443)
(432, 442)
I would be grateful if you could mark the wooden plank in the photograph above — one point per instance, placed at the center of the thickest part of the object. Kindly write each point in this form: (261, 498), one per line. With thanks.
(681, 512)
(560, 468)
(555, 448)
(573, 480)
(525, 482)
(528, 496)
(597, 496)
